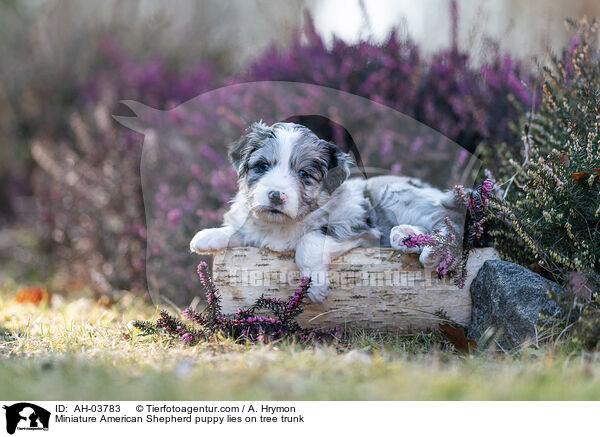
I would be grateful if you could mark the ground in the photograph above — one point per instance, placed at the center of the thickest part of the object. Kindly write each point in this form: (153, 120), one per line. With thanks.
(76, 348)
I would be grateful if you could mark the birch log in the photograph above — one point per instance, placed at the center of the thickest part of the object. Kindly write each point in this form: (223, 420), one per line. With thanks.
(370, 288)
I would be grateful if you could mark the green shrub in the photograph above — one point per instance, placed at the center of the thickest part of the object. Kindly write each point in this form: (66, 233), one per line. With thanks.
(549, 219)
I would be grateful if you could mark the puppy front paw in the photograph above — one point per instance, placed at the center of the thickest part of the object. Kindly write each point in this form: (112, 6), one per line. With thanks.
(319, 285)
(399, 233)
(209, 239)
(318, 293)
(429, 258)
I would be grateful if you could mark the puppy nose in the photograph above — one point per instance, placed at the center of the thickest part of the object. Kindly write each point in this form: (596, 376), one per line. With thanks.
(277, 197)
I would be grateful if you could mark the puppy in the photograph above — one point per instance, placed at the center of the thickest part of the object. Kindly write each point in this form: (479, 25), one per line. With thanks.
(294, 194)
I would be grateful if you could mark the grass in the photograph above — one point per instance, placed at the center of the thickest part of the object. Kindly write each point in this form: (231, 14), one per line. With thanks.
(78, 349)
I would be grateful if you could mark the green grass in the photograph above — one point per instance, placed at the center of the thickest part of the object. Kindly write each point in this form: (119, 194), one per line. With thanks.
(76, 349)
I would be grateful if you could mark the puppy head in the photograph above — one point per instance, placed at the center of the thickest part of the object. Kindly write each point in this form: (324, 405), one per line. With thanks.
(285, 169)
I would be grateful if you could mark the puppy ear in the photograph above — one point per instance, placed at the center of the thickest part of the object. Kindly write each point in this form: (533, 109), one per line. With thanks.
(240, 150)
(237, 152)
(339, 167)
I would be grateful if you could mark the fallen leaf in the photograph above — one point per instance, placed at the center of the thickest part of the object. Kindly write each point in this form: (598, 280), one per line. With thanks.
(580, 177)
(35, 295)
(105, 301)
(457, 337)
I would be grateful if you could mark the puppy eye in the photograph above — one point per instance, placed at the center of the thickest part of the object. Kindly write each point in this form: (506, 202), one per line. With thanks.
(304, 176)
(263, 166)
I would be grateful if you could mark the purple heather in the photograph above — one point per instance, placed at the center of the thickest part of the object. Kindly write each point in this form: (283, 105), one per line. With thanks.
(419, 240)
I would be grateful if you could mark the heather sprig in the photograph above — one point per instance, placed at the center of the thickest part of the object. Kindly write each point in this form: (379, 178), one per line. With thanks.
(419, 240)
(147, 328)
(245, 323)
(445, 241)
(169, 324)
(477, 203)
(213, 299)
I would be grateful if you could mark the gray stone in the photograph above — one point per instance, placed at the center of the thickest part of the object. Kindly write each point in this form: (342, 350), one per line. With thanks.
(507, 301)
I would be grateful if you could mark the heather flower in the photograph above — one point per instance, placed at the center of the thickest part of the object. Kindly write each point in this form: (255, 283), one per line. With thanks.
(442, 268)
(205, 278)
(460, 192)
(454, 254)
(419, 240)
(188, 338)
(174, 216)
(396, 169)
(297, 299)
(486, 188)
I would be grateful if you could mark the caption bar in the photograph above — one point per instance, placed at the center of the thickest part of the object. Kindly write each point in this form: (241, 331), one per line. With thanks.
(155, 418)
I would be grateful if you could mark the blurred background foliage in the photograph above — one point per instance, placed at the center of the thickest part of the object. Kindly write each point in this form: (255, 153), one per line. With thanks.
(70, 190)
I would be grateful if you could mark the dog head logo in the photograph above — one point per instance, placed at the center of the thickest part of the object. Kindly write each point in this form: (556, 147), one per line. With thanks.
(26, 416)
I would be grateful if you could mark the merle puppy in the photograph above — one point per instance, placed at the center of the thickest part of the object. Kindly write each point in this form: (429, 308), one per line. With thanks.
(294, 194)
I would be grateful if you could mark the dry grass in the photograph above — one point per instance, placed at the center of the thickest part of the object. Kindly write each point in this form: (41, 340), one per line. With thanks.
(77, 349)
